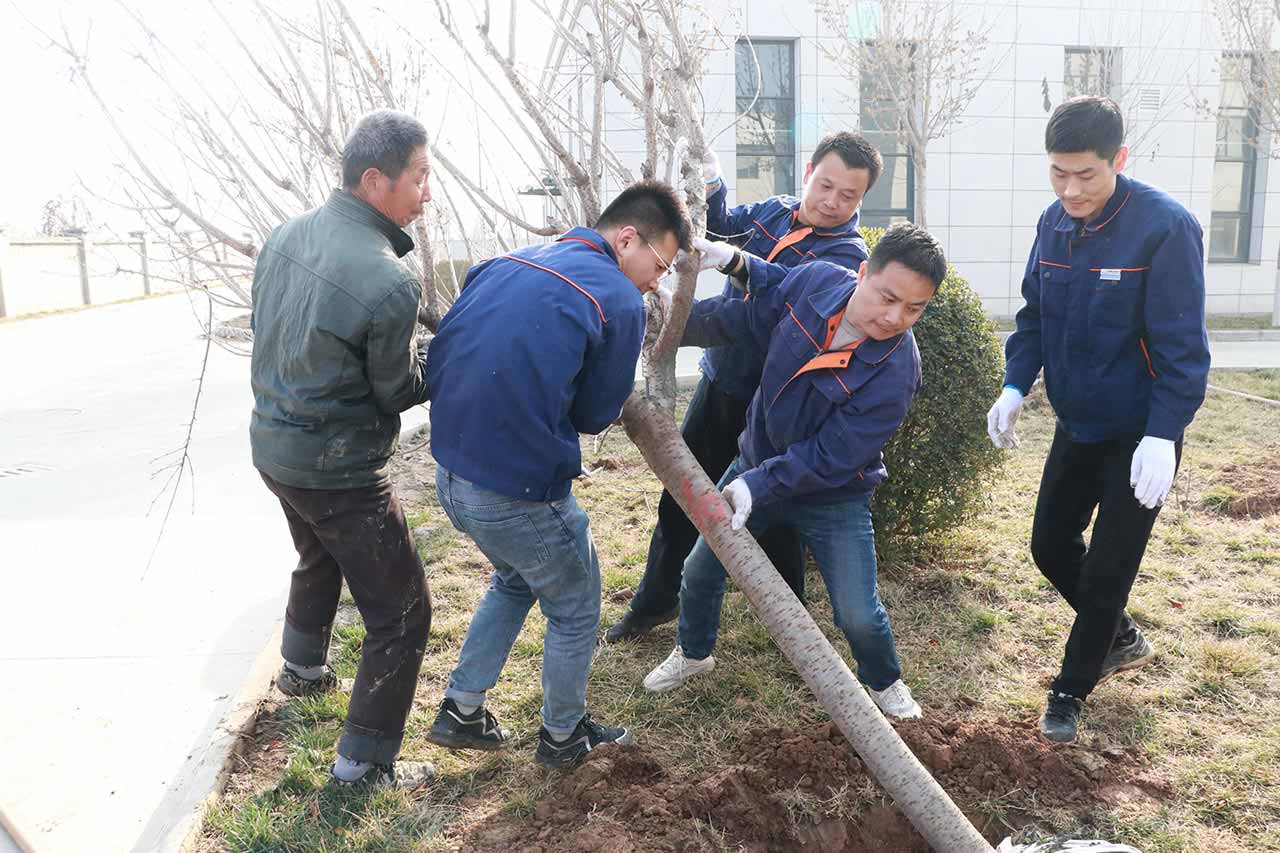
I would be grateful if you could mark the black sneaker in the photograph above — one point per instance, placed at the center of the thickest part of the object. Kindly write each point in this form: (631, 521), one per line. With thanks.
(1061, 717)
(633, 627)
(292, 684)
(1127, 653)
(587, 735)
(405, 775)
(478, 730)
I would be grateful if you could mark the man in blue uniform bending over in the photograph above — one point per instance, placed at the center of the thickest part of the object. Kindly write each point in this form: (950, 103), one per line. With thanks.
(762, 241)
(1114, 314)
(540, 346)
(840, 372)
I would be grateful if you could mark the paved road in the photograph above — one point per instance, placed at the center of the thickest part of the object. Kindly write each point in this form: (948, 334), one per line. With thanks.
(113, 685)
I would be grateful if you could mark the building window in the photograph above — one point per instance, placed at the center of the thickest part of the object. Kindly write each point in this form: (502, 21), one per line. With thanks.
(892, 199)
(766, 128)
(1090, 71)
(1235, 162)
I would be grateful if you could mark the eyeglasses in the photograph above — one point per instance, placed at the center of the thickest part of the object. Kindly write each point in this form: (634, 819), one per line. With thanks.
(667, 269)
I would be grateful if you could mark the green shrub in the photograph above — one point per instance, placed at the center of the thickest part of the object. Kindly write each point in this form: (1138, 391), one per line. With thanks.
(941, 461)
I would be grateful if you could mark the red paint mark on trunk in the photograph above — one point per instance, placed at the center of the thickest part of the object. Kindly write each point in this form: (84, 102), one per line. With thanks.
(705, 509)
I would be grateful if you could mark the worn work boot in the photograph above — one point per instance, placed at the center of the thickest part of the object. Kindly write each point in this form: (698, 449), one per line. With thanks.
(292, 684)
(633, 627)
(1061, 718)
(896, 701)
(405, 775)
(676, 670)
(1128, 652)
(478, 730)
(586, 736)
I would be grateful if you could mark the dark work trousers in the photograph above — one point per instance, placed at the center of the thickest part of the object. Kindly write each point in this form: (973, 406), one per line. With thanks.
(711, 428)
(1095, 579)
(359, 535)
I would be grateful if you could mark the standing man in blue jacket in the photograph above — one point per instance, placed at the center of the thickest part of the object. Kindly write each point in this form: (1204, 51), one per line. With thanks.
(1114, 314)
(759, 241)
(840, 371)
(540, 346)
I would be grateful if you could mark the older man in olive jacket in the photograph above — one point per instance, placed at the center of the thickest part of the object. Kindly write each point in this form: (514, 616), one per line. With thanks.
(334, 309)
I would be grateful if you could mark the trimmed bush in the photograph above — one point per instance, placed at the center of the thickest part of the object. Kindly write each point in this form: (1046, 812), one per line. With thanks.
(941, 461)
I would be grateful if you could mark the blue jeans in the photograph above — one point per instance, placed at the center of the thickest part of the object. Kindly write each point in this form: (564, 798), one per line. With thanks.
(540, 551)
(843, 544)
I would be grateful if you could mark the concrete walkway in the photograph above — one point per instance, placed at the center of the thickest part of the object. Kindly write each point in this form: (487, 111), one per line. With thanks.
(117, 688)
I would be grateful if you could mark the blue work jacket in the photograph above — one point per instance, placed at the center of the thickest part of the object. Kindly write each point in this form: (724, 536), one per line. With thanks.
(773, 242)
(1114, 314)
(540, 345)
(820, 419)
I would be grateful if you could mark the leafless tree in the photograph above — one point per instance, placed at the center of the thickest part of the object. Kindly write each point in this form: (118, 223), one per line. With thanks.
(919, 64)
(1248, 110)
(273, 156)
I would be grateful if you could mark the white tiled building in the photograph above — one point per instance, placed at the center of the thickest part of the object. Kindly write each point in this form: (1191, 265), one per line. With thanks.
(988, 179)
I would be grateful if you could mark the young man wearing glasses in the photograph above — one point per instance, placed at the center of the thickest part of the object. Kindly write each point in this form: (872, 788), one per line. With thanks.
(540, 346)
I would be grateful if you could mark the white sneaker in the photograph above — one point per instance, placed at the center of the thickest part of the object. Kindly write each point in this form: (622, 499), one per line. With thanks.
(895, 701)
(676, 670)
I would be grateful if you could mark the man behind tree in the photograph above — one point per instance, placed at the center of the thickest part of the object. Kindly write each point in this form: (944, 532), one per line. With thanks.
(763, 241)
(540, 346)
(334, 311)
(1114, 314)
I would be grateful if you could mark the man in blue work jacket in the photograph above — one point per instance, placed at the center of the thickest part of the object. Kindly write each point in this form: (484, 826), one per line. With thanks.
(840, 371)
(1114, 314)
(759, 240)
(540, 346)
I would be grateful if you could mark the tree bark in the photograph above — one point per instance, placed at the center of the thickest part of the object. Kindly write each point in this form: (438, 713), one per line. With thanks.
(917, 794)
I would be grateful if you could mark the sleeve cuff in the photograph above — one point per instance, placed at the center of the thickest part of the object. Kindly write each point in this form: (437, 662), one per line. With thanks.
(758, 482)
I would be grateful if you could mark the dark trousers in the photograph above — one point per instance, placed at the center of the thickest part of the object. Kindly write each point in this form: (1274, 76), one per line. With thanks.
(711, 428)
(1095, 579)
(359, 535)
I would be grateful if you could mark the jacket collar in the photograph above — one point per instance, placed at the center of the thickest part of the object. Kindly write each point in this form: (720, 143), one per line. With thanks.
(591, 238)
(829, 302)
(353, 208)
(1124, 188)
(846, 229)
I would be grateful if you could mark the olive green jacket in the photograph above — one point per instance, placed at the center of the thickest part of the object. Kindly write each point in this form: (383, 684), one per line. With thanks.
(334, 309)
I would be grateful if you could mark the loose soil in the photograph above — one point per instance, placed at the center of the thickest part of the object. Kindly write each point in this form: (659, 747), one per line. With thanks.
(1252, 489)
(805, 789)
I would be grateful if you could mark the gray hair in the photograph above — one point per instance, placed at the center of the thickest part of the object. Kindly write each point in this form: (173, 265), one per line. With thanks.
(382, 140)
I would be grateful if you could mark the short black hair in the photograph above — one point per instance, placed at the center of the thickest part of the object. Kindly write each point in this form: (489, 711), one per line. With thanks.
(914, 248)
(855, 150)
(382, 140)
(653, 208)
(1086, 123)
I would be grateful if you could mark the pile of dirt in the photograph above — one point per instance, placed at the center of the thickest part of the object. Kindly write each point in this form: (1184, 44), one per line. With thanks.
(1249, 490)
(621, 800)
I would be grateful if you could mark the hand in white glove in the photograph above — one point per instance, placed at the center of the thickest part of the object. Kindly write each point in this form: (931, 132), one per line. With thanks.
(713, 255)
(663, 297)
(1003, 417)
(739, 497)
(710, 166)
(1151, 473)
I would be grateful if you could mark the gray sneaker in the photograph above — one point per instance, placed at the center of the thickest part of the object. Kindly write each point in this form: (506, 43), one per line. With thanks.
(292, 684)
(1131, 655)
(404, 775)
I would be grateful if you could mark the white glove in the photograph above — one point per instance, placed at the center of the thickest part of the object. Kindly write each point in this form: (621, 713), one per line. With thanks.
(710, 166)
(664, 296)
(1003, 417)
(1151, 473)
(713, 255)
(739, 497)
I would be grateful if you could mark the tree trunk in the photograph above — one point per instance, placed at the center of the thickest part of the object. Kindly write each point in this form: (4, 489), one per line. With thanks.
(917, 794)
(920, 158)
